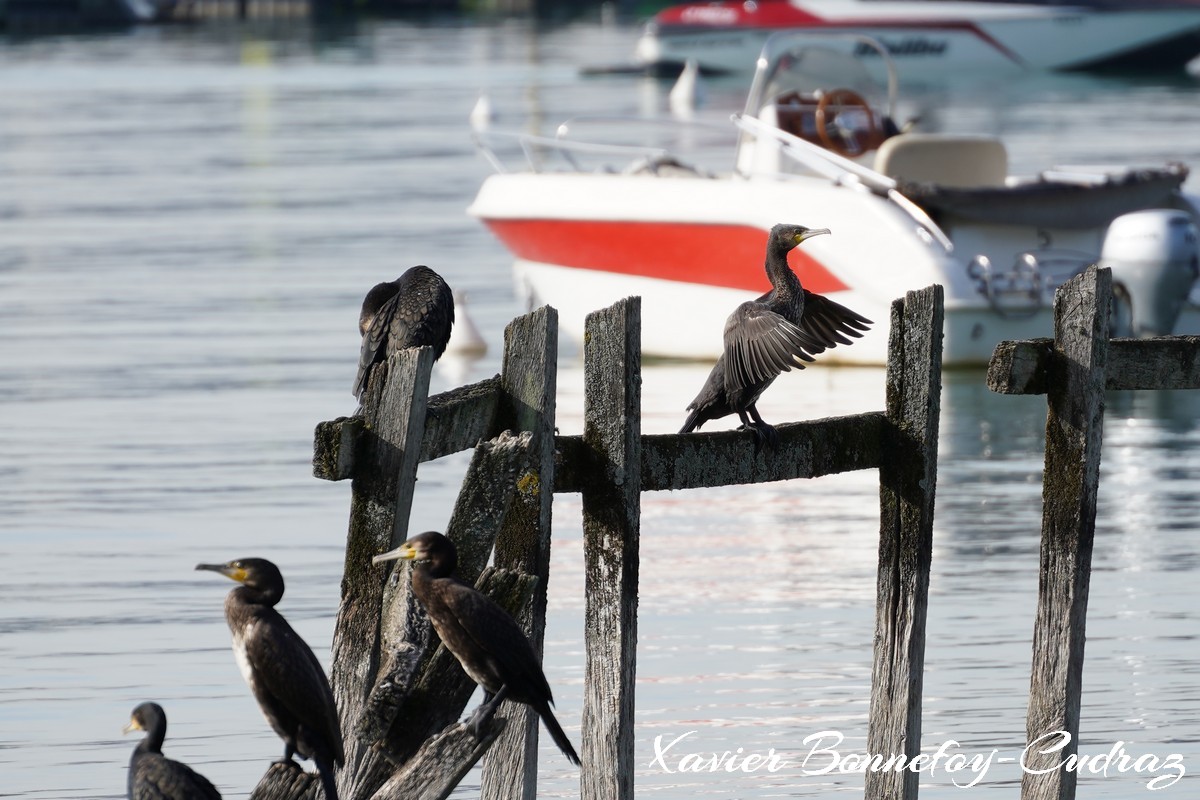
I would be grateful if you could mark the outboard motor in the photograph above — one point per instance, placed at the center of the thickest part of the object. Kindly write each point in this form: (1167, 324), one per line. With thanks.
(1154, 261)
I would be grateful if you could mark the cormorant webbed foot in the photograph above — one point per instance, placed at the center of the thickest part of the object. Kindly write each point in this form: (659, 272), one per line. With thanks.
(765, 436)
(481, 718)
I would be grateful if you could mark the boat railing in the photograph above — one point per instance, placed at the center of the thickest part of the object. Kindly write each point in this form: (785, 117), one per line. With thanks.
(838, 169)
(542, 153)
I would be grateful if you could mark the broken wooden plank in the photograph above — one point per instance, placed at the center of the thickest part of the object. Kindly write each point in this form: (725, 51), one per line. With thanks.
(1164, 362)
(720, 458)
(441, 764)
(334, 444)
(287, 780)
(454, 421)
(458, 419)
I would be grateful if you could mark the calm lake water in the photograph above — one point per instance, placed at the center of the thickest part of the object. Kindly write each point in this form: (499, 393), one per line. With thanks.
(189, 218)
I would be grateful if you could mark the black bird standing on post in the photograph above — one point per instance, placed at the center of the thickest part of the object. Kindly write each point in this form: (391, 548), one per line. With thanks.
(769, 336)
(415, 310)
(491, 647)
(280, 669)
(153, 776)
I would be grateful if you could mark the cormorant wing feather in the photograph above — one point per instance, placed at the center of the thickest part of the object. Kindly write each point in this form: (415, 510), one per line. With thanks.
(374, 342)
(160, 778)
(760, 344)
(494, 631)
(829, 323)
(287, 669)
(419, 314)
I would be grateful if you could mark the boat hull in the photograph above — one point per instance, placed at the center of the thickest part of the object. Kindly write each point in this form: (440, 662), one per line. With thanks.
(693, 249)
(928, 40)
(685, 320)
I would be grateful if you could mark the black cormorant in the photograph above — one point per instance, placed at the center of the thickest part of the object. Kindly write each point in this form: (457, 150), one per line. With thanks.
(281, 670)
(489, 644)
(415, 310)
(768, 336)
(153, 776)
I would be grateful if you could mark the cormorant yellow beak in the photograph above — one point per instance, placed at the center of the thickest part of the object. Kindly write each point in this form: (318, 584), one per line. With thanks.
(810, 233)
(230, 570)
(405, 551)
(132, 726)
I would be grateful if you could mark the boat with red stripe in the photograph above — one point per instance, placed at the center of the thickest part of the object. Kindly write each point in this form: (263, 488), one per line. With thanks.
(591, 221)
(934, 39)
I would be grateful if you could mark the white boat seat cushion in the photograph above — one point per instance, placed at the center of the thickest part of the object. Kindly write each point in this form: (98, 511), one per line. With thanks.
(960, 161)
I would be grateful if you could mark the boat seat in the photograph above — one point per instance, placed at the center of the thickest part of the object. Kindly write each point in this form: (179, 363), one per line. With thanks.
(956, 160)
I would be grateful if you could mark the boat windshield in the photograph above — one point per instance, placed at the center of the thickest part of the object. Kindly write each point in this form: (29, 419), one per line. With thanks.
(819, 69)
(810, 65)
(825, 89)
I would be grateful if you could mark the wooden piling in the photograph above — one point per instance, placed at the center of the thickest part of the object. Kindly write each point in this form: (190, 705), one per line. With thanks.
(396, 690)
(393, 411)
(908, 479)
(394, 686)
(1073, 370)
(1074, 429)
(611, 526)
(529, 381)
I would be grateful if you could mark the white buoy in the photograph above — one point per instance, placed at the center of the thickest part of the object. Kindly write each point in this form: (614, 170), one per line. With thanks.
(482, 115)
(465, 339)
(688, 92)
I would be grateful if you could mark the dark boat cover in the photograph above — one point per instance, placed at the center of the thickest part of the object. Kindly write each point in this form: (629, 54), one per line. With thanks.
(1056, 200)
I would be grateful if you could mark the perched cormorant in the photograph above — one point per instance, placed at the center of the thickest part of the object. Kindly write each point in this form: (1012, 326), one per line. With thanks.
(415, 310)
(282, 672)
(153, 776)
(770, 335)
(489, 644)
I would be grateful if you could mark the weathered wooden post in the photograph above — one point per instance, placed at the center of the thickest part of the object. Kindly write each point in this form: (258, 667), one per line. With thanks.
(395, 694)
(612, 363)
(529, 382)
(394, 690)
(381, 499)
(1073, 370)
(1074, 430)
(908, 478)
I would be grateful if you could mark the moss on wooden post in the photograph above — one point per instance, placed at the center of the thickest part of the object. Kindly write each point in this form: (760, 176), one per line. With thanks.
(529, 380)
(381, 498)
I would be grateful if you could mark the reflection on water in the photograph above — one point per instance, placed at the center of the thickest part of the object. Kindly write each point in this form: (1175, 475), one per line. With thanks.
(190, 218)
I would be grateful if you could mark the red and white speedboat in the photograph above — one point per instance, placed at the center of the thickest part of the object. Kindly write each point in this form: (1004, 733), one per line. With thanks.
(933, 38)
(816, 147)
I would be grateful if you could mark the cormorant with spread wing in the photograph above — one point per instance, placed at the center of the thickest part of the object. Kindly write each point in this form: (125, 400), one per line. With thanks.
(491, 647)
(769, 336)
(281, 670)
(415, 310)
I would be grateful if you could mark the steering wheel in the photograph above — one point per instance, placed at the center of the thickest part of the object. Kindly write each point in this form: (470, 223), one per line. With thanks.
(833, 104)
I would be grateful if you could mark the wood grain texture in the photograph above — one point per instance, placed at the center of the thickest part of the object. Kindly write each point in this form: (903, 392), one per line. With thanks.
(611, 530)
(529, 380)
(1074, 430)
(908, 480)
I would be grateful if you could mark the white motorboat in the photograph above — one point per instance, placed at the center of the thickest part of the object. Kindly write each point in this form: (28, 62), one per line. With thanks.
(932, 39)
(817, 146)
